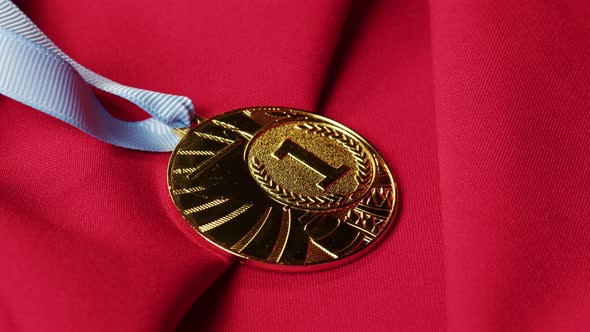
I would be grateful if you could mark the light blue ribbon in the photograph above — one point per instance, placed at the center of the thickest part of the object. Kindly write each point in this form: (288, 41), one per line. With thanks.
(35, 72)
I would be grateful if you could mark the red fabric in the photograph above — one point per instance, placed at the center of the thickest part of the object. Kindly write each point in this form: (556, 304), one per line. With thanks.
(480, 107)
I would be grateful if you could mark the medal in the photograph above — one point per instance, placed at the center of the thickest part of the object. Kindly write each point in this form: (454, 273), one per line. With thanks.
(282, 188)
(277, 187)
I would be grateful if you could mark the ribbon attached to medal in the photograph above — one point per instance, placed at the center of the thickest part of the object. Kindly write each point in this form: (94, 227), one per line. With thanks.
(280, 188)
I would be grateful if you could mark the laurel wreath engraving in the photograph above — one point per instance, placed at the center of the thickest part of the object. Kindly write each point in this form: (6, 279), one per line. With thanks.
(362, 176)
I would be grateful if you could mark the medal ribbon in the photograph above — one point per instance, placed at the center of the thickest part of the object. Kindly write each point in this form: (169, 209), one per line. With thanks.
(35, 72)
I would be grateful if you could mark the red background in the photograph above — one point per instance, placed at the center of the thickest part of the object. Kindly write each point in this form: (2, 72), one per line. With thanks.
(481, 108)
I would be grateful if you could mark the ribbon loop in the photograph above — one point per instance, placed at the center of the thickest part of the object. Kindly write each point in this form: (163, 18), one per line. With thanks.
(34, 71)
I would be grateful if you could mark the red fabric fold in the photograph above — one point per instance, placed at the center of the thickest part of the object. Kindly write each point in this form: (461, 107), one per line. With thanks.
(512, 104)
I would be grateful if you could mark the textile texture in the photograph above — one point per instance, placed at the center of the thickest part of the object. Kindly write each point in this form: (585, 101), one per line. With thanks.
(481, 108)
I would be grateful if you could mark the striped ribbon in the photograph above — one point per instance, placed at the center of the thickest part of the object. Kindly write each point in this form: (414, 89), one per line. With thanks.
(35, 72)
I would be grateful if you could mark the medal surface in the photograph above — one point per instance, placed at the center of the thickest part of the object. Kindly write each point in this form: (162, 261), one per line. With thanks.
(282, 188)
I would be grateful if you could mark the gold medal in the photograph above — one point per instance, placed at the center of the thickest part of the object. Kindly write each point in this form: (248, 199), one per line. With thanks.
(282, 188)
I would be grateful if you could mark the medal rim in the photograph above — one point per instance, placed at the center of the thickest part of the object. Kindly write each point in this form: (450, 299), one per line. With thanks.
(278, 267)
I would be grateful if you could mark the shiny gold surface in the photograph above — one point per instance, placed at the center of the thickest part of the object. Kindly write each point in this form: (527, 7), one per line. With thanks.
(282, 188)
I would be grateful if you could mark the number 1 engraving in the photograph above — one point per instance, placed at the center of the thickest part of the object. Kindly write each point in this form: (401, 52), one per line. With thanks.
(331, 174)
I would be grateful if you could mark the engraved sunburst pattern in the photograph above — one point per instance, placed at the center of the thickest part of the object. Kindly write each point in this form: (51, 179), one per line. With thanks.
(345, 195)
